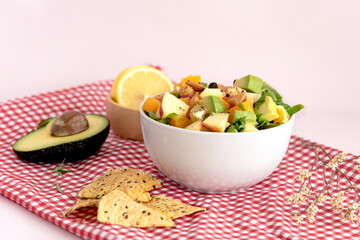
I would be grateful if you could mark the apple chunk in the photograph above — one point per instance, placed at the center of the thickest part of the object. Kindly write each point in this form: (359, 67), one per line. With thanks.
(171, 104)
(250, 127)
(212, 92)
(196, 126)
(253, 96)
(217, 122)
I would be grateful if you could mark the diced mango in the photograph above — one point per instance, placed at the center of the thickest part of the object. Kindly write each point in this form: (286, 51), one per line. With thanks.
(180, 121)
(283, 115)
(231, 112)
(248, 105)
(186, 100)
(159, 96)
(190, 78)
(151, 105)
(226, 104)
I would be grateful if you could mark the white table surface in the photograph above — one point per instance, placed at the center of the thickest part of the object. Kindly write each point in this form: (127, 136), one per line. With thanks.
(309, 51)
(17, 222)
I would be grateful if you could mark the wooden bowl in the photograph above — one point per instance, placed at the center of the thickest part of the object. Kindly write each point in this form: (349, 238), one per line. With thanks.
(125, 122)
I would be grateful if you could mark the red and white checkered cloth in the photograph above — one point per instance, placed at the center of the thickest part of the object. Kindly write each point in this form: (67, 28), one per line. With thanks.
(258, 212)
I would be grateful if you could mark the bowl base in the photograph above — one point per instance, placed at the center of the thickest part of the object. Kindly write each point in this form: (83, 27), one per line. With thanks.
(232, 191)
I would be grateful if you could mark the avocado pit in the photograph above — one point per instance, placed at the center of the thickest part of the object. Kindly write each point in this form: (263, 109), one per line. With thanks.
(69, 123)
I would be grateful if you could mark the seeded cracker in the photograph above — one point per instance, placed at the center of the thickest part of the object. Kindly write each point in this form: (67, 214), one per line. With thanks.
(118, 208)
(133, 182)
(81, 203)
(171, 207)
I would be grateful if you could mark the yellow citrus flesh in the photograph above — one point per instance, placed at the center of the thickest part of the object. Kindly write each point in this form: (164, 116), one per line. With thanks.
(135, 84)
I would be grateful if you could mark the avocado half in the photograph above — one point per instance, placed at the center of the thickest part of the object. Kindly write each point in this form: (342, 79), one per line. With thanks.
(40, 146)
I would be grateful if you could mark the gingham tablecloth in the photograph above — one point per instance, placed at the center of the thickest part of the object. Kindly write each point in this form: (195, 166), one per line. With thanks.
(259, 212)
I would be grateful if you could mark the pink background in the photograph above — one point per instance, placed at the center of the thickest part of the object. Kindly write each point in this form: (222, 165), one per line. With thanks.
(308, 50)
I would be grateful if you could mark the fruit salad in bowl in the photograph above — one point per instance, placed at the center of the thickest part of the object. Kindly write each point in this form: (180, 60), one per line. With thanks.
(217, 139)
(249, 105)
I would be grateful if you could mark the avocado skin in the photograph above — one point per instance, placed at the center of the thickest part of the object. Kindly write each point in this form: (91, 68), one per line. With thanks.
(72, 151)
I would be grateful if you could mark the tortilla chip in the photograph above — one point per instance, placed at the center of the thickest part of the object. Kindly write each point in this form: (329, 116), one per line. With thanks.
(171, 207)
(81, 203)
(117, 194)
(145, 180)
(133, 182)
(97, 191)
(118, 208)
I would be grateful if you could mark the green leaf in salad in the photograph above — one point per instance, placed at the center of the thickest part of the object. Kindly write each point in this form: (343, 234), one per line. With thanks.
(294, 109)
(267, 124)
(266, 92)
(286, 106)
(171, 115)
(204, 84)
(167, 119)
(152, 115)
(276, 97)
(176, 94)
(239, 124)
(273, 90)
(231, 129)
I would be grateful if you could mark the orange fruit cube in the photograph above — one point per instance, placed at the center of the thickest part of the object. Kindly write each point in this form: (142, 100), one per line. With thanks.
(151, 105)
(180, 121)
(231, 112)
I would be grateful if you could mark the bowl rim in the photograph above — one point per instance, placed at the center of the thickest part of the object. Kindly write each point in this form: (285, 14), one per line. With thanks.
(113, 102)
(183, 130)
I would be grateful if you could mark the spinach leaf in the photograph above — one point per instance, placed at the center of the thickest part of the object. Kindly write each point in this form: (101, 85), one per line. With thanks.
(239, 124)
(294, 109)
(152, 115)
(167, 119)
(267, 124)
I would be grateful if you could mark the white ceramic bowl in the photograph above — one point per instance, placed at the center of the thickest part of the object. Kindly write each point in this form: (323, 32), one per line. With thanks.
(215, 162)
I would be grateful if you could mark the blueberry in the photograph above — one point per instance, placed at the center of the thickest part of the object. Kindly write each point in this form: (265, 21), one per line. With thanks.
(213, 85)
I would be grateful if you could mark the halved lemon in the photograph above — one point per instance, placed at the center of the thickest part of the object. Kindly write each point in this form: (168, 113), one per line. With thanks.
(135, 84)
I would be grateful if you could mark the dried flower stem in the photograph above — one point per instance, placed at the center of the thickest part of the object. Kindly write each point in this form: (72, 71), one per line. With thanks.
(351, 185)
(322, 167)
(316, 197)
